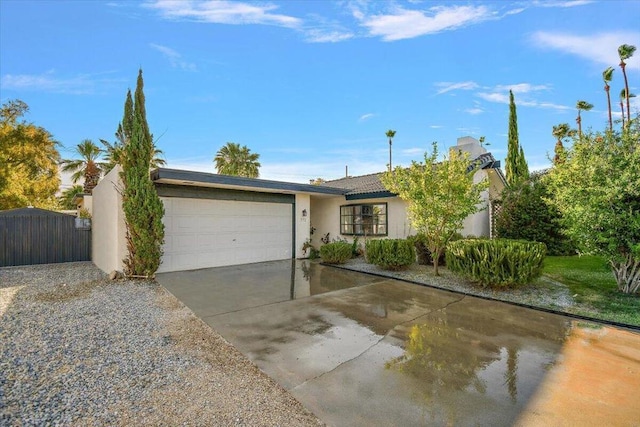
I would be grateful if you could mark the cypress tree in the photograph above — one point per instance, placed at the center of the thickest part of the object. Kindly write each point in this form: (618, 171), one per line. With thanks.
(516, 167)
(127, 119)
(142, 207)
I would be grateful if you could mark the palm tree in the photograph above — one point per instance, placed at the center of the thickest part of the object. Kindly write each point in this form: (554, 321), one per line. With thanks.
(625, 51)
(114, 155)
(87, 166)
(561, 132)
(390, 134)
(581, 106)
(607, 75)
(67, 196)
(623, 96)
(232, 159)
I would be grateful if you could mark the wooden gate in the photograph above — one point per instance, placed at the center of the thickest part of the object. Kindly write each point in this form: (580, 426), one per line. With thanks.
(37, 236)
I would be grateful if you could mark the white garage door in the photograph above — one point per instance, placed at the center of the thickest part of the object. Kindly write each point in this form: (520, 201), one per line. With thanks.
(201, 233)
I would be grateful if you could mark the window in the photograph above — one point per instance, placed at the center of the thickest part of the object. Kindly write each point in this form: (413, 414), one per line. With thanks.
(358, 220)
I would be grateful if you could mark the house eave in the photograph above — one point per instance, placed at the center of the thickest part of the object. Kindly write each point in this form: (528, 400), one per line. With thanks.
(203, 179)
(376, 195)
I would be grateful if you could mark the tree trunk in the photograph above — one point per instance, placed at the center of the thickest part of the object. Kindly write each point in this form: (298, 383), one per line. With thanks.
(623, 65)
(627, 274)
(606, 88)
(436, 256)
(579, 121)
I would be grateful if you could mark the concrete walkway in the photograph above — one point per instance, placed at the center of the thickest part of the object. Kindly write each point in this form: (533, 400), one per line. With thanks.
(360, 350)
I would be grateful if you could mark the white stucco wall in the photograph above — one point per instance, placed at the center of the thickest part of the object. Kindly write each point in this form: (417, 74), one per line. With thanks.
(303, 203)
(109, 246)
(325, 217)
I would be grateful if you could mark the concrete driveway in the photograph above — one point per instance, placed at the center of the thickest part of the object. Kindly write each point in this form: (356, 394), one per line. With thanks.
(360, 350)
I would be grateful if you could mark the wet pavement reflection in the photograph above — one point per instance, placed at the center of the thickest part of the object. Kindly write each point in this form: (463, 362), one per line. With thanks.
(359, 350)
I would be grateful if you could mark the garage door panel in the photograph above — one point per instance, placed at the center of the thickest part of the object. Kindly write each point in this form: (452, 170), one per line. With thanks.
(202, 233)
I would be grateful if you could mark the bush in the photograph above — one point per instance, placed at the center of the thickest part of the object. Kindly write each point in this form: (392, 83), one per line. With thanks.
(336, 252)
(419, 241)
(500, 262)
(390, 254)
(526, 214)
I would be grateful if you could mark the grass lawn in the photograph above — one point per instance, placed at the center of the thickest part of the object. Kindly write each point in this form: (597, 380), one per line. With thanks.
(590, 280)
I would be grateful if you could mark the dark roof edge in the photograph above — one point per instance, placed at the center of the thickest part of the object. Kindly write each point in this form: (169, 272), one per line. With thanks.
(376, 195)
(212, 178)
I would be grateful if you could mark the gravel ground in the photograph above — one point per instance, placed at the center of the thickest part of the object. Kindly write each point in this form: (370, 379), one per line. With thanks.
(78, 349)
(544, 293)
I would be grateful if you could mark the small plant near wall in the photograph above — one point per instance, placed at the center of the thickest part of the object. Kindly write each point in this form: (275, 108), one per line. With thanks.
(313, 252)
(336, 252)
(84, 214)
(325, 239)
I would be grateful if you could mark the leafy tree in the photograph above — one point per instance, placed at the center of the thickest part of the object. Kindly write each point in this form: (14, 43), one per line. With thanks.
(581, 106)
(390, 134)
(87, 167)
(597, 190)
(607, 76)
(516, 167)
(66, 198)
(526, 214)
(142, 207)
(626, 51)
(440, 195)
(232, 159)
(561, 132)
(28, 161)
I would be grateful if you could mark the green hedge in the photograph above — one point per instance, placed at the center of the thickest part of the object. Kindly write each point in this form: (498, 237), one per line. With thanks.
(499, 262)
(390, 254)
(336, 252)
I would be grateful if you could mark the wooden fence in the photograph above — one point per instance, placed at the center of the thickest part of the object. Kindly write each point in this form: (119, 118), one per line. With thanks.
(42, 239)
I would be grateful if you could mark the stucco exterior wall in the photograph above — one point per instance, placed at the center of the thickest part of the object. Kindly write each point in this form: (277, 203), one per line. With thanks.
(302, 221)
(109, 246)
(325, 217)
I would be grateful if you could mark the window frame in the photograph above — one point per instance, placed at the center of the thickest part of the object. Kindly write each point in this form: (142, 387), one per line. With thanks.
(362, 220)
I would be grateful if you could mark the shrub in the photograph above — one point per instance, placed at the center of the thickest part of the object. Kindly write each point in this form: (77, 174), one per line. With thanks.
(526, 214)
(390, 254)
(423, 253)
(499, 262)
(336, 252)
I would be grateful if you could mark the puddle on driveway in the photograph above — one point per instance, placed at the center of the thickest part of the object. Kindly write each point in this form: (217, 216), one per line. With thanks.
(213, 291)
(391, 353)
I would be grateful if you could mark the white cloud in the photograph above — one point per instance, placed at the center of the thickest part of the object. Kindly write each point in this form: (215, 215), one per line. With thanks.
(600, 48)
(474, 111)
(436, 126)
(561, 3)
(521, 88)
(174, 57)
(82, 84)
(405, 24)
(412, 151)
(327, 36)
(448, 86)
(223, 12)
(499, 97)
(366, 117)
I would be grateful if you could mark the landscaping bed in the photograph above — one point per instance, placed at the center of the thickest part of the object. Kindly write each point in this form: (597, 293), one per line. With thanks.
(547, 292)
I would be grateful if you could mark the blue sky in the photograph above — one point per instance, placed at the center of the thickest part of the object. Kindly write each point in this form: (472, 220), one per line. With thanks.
(312, 86)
